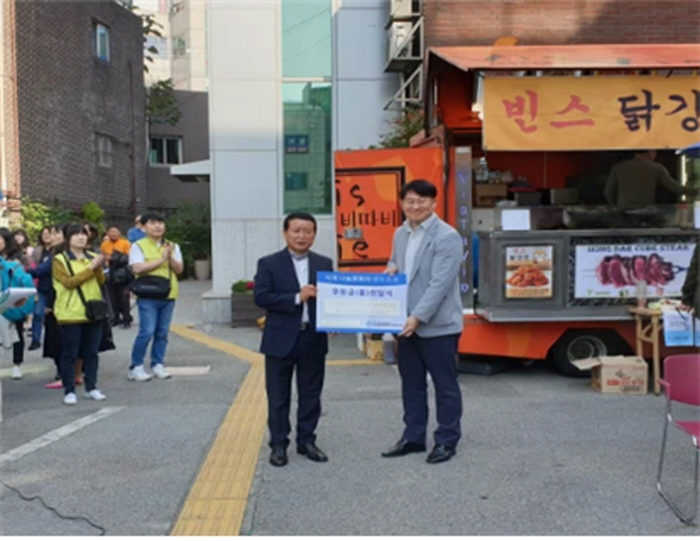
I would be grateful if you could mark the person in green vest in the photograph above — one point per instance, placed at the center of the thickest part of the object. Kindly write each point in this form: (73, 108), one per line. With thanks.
(154, 256)
(77, 276)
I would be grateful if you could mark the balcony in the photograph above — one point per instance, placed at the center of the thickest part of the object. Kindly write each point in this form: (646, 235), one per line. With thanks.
(406, 51)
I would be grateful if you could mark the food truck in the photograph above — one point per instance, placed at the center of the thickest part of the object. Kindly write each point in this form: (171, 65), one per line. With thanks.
(520, 141)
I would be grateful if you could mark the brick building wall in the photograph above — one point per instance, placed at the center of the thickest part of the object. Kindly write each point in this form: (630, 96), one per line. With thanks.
(544, 22)
(9, 149)
(67, 96)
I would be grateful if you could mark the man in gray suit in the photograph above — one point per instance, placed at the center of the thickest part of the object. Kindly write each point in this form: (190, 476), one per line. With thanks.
(429, 252)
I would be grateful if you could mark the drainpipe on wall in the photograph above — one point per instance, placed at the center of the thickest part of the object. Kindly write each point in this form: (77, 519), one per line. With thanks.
(132, 152)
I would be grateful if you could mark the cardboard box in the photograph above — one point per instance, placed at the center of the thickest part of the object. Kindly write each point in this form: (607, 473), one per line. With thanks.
(375, 350)
(617, 375)
(486, 195)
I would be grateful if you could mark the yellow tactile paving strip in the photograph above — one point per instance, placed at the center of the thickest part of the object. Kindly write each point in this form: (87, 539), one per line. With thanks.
(218, 499)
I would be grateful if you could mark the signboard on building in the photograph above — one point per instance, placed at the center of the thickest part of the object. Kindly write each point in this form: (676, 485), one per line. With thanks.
(296, 144)
(589, 113)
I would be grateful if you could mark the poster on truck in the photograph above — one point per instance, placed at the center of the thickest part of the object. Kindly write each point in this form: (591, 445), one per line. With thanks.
(611, 271)
(529, 272)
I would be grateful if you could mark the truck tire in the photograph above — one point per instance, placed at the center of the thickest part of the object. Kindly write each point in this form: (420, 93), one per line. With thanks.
(575, 345)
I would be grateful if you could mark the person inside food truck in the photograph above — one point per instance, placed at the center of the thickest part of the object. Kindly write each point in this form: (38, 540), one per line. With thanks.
(691, 287)
(636, 182)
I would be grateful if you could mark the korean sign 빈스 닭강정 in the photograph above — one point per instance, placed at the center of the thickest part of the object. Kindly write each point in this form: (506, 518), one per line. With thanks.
(588, 113)
(361, 302)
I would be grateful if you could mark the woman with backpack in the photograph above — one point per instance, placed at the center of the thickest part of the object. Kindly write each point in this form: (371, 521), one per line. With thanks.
(79, 309)
(14, 275)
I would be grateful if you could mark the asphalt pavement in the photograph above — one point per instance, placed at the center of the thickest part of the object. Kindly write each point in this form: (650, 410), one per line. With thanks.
(541, 454)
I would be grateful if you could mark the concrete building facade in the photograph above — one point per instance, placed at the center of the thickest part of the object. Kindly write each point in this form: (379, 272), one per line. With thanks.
(160, 69)
(290, 81)
(186, 142)
(74, 105)
(188, 35)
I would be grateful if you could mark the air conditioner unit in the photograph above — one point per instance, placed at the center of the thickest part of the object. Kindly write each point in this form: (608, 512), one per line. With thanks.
(397, 34)
(401, 8)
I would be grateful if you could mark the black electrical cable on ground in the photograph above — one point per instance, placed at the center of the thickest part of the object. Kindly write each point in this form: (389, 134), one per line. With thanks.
(52, 509)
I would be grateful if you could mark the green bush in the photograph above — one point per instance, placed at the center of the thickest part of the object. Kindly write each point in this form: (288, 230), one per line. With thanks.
(36, 215)
(243, 286)
(93, 213)
(190, 226)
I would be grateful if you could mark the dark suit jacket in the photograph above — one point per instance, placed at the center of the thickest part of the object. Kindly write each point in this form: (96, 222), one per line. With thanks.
(276, 287)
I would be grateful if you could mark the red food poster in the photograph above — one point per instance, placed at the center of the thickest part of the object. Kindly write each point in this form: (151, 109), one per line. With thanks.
(529, 272)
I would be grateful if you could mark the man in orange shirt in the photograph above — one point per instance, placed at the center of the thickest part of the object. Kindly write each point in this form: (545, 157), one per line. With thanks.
(116, 250)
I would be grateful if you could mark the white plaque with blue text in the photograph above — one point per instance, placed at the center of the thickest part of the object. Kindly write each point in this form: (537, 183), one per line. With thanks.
(361, 302)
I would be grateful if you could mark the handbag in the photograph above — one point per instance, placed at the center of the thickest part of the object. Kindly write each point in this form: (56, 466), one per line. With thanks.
(107, 339)
(152, 287)
(120, 273)
(94, 310)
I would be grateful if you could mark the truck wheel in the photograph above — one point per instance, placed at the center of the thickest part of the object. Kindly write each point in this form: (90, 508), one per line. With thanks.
(576, 345)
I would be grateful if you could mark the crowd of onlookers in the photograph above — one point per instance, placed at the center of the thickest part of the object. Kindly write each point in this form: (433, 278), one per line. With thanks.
(84, 288)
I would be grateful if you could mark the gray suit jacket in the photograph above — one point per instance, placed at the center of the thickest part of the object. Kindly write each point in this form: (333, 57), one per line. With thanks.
(433, 286)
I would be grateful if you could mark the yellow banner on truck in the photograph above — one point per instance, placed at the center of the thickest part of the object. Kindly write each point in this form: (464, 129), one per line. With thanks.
(591, 113)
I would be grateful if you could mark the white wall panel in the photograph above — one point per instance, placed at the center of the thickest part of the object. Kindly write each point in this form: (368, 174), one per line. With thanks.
(263, 237)
(244, 44)
(245, 115)
(362, 43)
(247, 187)
(361, 118)
(228, 242)
(364, 4)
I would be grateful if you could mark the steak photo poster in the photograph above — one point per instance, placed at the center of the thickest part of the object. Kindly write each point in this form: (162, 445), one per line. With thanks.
(612, 271)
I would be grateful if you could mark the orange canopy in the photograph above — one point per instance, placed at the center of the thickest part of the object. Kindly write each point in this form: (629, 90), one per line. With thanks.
(570, 57)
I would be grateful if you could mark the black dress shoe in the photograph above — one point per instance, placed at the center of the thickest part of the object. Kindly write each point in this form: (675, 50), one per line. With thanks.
(34, 345)
(278, 457)
(310, 451)
(404, 447)
(441, 453)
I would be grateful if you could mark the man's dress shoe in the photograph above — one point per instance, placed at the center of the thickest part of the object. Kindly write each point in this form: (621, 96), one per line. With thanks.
(404, 447)
(310, 451)
(441, 453)
(278, 457)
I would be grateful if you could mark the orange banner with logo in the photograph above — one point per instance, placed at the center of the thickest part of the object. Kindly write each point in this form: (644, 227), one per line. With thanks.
(591, 113)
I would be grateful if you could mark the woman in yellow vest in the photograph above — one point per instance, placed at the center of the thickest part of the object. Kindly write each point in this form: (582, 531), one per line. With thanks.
(157, 262)
(77, 277)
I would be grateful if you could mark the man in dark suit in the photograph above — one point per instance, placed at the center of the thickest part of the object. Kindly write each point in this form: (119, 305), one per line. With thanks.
(285, 286)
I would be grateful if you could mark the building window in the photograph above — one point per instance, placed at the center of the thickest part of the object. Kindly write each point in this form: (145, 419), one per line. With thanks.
(179, 46)
(306, 38)
(104, 151)
(102, 42)
(294, 182)
(165, 151)
(307, 159)
(155, 47)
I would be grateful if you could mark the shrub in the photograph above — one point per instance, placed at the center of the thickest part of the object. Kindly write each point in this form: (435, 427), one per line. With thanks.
(93, 213)
(36, 215)
(190, 226)
(243, 286)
